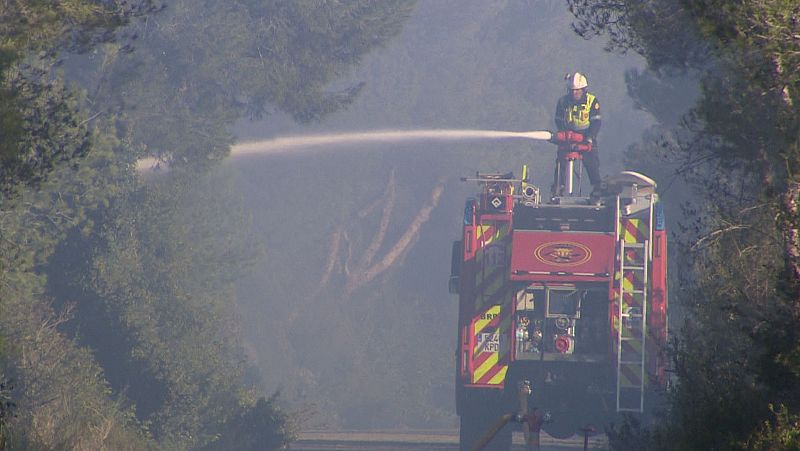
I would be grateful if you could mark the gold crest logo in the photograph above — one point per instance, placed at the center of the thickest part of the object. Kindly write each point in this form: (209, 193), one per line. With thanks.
(563, 253)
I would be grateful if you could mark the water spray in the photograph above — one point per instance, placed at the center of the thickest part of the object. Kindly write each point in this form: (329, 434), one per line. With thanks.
(307, 142)
(283, 144)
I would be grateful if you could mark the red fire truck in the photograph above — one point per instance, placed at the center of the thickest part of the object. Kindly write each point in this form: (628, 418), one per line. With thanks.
(568, 294)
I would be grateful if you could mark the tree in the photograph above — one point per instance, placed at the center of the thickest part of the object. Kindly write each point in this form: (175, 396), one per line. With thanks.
(38, 118)
(83, 240)
(739, 148)
(209, 66)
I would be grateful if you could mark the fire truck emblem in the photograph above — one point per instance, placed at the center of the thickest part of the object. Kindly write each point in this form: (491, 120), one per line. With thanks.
(563, 253)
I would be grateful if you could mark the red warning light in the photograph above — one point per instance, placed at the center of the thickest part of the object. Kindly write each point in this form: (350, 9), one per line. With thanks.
(563, 344)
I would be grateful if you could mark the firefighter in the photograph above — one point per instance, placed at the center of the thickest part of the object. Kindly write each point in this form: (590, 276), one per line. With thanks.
(579, 111)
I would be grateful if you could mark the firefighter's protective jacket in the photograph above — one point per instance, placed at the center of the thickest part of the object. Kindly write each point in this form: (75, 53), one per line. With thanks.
(582, 115)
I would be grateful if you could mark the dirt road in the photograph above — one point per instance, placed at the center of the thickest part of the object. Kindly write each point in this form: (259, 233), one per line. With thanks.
(420, 440)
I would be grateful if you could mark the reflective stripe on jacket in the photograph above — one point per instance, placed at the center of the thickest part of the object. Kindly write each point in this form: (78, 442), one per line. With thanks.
(579, 116)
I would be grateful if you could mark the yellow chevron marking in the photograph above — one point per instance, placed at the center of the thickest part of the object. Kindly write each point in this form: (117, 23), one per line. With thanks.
(634, 256)
(484, 274)
(488, 234)
(493, 282)
(482, 323)
(496, 285)
(631, 279)
(498, 230)
(627, 284)
(633, 381)
(623, 231)
(484, 235)
(633, 347)
(499, 377)
(634, 300)
(479, 230)
(637, 237)
(485, 366)
(641, 227)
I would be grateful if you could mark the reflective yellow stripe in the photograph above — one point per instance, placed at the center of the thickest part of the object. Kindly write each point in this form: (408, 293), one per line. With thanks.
(640, 233)
(578, 118)
(486, 366)
(496, 363)
(632, 283)
(631, 377)
(500, 230)
(491, 286)
(482, 276)
(490, 279)
(499, 377)
(482, 323)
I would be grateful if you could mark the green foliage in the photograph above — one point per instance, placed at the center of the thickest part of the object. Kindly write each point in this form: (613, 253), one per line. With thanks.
(62, 399)
(118, 298)
(41, 125)
(739, 149)
(208, 66)
(50, 25)
(783, 432)
(262, 426)
(6, 410)
(163, 273)
(170, 297)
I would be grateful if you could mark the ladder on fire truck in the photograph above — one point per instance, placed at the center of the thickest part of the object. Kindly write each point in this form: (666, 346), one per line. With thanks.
(633, 256)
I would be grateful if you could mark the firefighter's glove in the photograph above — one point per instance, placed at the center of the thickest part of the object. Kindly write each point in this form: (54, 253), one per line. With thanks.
(581, 147)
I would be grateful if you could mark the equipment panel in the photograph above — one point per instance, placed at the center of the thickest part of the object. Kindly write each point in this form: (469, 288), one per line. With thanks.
(561, 218)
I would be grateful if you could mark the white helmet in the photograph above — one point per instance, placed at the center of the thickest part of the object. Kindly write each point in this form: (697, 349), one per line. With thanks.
(576, 81)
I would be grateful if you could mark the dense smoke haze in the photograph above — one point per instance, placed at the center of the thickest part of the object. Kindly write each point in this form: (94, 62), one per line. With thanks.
(381, 355)
(226, 224)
